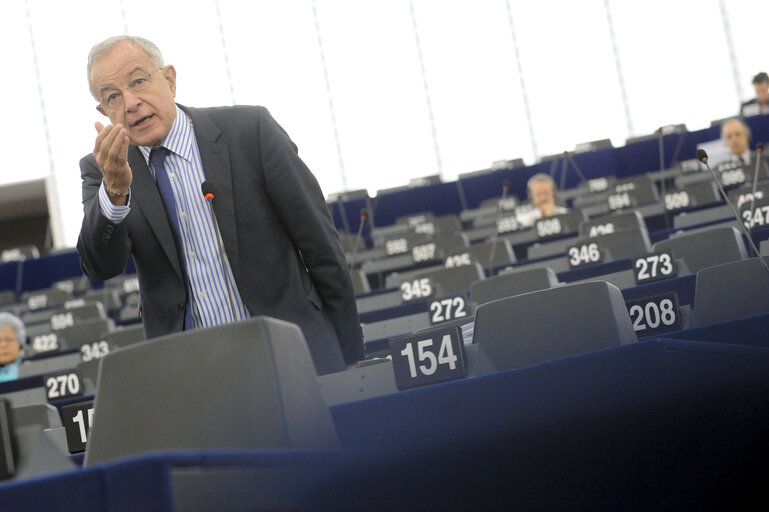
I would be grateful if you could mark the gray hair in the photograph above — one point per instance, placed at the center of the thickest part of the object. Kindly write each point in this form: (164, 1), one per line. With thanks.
(12, 321)
(540, 176)
(106, 46)
(738, 121)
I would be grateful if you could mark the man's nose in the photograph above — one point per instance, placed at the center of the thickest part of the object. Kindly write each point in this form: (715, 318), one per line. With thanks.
(131, 101)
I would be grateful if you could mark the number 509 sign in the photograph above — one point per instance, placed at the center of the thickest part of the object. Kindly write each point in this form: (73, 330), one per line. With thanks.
(427, 358)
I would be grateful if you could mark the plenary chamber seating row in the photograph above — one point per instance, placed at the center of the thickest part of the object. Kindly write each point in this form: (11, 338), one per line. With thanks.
(540, 399)
(614, 359)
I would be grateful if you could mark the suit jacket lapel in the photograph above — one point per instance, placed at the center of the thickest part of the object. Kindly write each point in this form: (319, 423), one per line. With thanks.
(146, 197)
(215, 157)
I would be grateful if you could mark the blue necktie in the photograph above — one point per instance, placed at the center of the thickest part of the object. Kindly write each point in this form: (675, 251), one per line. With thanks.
(157, 161)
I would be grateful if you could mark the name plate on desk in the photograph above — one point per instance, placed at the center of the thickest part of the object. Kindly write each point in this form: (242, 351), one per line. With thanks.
(416, 289)
(756, 217)
(45, 343)
(742, 196)
(428, 358)
(587, 253)
(655, 315)
(77, 424)
(62, 385)
(694, 195)
(732, 178)
(561, 224)
(459, 260)
(91, 351)
(448, 308)
(547, 227)
(677, 200)
(691, 166)
(597, 185)
(729, 165)
(508, 224)
(425, 252)
(621, 200)
(601, 229)
(654, 267)
(62, 320)
(396, 246)
(427, 228)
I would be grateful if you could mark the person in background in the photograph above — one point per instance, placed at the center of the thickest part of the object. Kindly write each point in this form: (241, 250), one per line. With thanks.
(736, 135)
(12, 335)
(759, 104)
(541, 190)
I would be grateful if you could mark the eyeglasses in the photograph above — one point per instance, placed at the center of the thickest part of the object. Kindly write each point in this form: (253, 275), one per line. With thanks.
(8, 340)
(139, 83)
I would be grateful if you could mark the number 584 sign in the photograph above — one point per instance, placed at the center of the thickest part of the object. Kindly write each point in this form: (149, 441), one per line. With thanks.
(427, 358)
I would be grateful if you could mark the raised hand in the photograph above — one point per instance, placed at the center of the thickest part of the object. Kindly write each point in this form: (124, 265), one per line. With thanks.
(111, 153)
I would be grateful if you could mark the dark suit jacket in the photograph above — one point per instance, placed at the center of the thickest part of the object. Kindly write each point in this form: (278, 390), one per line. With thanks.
(279, 238)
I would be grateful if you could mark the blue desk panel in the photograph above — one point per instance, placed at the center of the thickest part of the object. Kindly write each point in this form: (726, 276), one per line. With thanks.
(9, 275)
(660, 425)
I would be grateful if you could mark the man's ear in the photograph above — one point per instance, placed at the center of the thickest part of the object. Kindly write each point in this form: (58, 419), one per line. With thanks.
(169, 72)
(101, 111)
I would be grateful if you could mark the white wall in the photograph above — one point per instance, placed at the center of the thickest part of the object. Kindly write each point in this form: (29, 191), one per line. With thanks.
(370, 113)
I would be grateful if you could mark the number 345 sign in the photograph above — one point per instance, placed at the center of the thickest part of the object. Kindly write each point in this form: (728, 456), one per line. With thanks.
(427, 358)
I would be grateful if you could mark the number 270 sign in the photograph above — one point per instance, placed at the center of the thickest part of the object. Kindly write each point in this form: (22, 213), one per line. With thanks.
(427, 358)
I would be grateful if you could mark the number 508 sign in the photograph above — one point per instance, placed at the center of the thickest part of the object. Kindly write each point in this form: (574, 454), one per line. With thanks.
(427, 358)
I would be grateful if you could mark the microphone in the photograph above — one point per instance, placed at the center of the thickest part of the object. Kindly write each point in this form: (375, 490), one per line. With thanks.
(358, 238)
(702, 156)
(661, 147)
(208, 193)
(760, 151)
(343, 213)
(505, 187)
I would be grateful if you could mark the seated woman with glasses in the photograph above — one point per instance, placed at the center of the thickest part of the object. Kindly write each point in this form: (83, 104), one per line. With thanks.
(12, 335)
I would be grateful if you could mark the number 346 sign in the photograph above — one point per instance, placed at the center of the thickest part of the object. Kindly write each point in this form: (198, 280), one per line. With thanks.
(427, 358)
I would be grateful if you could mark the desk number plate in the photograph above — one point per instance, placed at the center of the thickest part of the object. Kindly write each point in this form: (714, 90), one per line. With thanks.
(428, 358)
(654, 315)
(77, 419)
(654, 267)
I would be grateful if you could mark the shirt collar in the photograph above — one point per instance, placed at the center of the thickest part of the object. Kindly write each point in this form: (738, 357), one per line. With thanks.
(178, 139)
(746, 156)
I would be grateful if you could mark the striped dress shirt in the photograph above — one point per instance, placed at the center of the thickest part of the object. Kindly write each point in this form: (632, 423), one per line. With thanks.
(208, 303)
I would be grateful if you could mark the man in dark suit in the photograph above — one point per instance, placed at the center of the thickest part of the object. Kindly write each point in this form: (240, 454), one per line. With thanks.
(141, 197)
(759, 104)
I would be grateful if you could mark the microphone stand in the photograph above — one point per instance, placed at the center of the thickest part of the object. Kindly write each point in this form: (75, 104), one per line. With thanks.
(663, 180)
(363, 217)
(760, 151)
(505, 186)
(343, 214)
(702, 156)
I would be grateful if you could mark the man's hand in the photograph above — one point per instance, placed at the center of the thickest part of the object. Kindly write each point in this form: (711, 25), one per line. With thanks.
(352, 366)
(111, 153)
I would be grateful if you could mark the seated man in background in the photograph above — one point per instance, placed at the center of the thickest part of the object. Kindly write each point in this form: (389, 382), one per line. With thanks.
(541, 190)
(759, 104)
(736, 135)
(12, 335)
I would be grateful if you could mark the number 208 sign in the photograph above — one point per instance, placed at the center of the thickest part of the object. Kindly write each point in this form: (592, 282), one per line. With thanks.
(428, 358)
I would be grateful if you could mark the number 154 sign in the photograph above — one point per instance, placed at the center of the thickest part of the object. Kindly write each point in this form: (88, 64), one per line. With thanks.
(427, 358)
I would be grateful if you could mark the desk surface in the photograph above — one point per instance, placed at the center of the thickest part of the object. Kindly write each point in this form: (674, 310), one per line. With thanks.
(653, 425)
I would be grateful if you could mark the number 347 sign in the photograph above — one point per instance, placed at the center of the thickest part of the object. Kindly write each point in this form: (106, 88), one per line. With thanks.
(427, 358)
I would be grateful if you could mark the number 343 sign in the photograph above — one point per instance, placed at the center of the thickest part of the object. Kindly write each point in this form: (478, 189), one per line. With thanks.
(427, 358)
